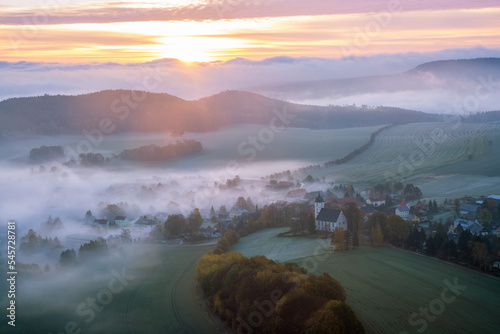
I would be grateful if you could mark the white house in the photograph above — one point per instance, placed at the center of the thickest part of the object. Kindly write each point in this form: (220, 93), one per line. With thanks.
(403, 210)
(327, 219)
(121, 221)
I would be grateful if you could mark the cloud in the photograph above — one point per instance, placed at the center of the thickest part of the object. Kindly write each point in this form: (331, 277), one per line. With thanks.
(134, 11)
(193, 81)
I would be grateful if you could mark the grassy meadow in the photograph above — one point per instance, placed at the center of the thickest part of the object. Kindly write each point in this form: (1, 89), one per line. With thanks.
(385, 286)
(410, 150)
(159, 295)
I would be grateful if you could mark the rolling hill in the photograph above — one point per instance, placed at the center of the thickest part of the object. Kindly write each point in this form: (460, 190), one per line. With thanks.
(118, 111)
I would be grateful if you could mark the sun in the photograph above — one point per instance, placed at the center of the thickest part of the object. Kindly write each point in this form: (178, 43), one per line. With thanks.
(197, 49)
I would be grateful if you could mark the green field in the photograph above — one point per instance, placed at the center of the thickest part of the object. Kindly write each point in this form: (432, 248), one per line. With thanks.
(160, 298)
(413, 149)
(386, 286)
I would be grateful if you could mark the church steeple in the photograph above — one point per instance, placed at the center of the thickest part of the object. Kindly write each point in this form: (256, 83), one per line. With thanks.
(319, 204)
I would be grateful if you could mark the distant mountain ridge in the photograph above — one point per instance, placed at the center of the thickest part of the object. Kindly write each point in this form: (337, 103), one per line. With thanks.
(117, 111)
(459, 76)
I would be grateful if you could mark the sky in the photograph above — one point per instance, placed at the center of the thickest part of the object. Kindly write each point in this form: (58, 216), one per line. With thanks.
(210, 30)
(204, 46)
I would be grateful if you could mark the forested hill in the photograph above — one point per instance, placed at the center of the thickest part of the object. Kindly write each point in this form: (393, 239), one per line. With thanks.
(128, 111)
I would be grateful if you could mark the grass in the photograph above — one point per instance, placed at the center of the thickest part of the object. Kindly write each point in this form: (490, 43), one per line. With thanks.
(385, 286)
(412, 149)
(160, 298)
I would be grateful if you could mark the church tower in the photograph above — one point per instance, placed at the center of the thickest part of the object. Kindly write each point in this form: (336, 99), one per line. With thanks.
(318, 205)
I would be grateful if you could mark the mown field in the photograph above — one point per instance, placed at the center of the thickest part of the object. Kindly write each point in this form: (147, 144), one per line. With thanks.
(408, 150)
(159, 296)
(386, 286)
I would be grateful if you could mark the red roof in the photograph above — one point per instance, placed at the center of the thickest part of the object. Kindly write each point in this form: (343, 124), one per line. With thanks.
(296, 193)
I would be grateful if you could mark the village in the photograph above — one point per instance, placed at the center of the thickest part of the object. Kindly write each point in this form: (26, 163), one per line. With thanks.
(318, 213)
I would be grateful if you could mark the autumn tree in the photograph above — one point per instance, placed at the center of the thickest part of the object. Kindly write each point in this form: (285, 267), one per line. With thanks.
(398, 229)
(339, 239)
(377, 236)
(176, 224)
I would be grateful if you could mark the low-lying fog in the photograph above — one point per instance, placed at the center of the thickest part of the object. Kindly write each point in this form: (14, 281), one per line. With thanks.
(31, 192)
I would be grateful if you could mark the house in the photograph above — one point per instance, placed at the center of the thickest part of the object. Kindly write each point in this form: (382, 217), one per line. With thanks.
(421, 208)
(297, 193)
(237, 213)
(469, 211)
(146, 221)
(495, 198)
(413, 219)
(376, 201)
(327, 219)
(466, 224)
(102, 223)
(478, 229)
(403, 210)
(313, 195)
(209, 232)
(120, 221)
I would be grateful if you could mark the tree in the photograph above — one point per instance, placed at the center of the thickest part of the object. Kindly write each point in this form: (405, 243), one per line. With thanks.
(339, 239)
(412, 192)
(377, 236)
(47, 268)
(379, 218)
(431, 246)
(125, 235)
(212, 212)
(311, 223)
(222, 209)
(485, 216)
(354, 217)
(67, 258)
(241, 204)
(112, 211)
(398, 229)
(194, 222)
(176, 224)
(456, 205)
(309, 179)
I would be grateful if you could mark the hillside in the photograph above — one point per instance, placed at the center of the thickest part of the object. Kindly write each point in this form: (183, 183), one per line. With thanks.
(455, 77)
(116, 111)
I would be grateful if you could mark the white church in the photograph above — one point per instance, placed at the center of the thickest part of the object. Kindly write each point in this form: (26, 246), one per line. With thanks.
(327, 219)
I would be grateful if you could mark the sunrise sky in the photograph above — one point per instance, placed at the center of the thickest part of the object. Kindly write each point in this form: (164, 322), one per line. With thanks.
(73, 31)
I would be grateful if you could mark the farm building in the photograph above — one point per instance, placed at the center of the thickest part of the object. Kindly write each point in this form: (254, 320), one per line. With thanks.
(327, 219)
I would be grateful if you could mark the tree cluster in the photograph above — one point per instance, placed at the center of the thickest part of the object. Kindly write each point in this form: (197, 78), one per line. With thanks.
(46, 153)
(260, 296)
(412, 192)
(32, 242)
(154, 153)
